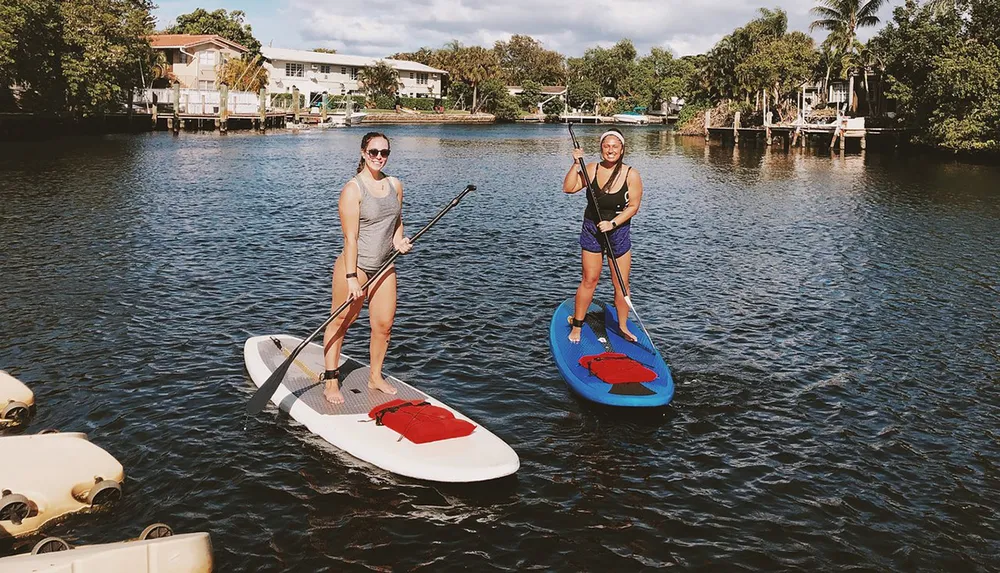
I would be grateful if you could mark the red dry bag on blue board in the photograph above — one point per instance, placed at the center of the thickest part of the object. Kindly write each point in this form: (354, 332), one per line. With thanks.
(615, 368)
(419, 421)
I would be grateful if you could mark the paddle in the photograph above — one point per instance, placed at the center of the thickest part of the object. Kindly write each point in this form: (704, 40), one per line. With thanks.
(607, 240)
(267, 389)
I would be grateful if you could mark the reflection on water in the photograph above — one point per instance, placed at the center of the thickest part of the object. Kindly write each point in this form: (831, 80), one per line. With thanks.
(832, 321)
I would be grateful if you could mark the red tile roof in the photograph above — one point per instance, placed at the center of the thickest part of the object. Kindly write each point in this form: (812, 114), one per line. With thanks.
(185, 40)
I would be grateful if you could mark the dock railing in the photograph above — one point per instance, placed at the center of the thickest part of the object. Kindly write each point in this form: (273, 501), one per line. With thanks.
(200, 102)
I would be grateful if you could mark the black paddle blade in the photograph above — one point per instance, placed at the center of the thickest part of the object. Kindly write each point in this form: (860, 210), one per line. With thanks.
(267, 389)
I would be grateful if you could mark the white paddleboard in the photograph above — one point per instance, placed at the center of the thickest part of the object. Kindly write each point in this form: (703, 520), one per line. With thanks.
(479, 456)
(187, 553)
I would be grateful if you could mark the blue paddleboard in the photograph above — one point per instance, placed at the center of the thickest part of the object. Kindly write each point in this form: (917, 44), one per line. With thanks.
(600, 334)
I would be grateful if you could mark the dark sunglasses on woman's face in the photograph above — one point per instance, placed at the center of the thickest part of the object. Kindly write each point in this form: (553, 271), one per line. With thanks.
(373, 153)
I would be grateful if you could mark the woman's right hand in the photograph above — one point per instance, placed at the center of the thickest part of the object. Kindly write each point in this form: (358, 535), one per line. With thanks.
(354, 290)
(577, 154)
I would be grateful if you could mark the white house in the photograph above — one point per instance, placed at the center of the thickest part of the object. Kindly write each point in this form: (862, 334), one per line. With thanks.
(194, 59)
(337, 74)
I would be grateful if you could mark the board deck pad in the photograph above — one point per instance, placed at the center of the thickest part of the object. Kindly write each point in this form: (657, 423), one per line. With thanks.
(600, 334)
(302, 380)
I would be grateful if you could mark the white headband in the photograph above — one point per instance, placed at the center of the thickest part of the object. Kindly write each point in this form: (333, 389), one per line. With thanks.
(614, 133)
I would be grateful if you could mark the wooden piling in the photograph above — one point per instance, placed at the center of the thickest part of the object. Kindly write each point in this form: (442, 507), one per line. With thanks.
(295, 103)
(223, 109)
(322, 111)
(176, 126)
(736, 128)
(263, 109)
(708, 124)
(767, 122)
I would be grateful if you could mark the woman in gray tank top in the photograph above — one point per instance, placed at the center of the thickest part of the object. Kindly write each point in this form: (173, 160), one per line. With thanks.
(370, 217)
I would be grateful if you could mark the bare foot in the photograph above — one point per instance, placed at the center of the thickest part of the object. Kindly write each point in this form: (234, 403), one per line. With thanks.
(627, 333)
(331, 391)
(379, 383)
(574, 331)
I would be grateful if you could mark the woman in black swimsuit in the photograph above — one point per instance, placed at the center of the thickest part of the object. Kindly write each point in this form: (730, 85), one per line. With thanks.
(618, 188)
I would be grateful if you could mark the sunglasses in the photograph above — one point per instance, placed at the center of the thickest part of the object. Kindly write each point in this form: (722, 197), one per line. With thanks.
(373, 153)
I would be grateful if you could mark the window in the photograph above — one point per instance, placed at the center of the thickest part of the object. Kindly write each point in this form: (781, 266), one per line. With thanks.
(343, 70)
(325, 68)
(208, 85)
(183, 58)
(411, 75)
(421, 78)
(294, 70)
(354, 73)
(206, 58)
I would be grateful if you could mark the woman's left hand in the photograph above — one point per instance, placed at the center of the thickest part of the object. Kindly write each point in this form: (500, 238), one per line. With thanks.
(402, 245)
(606, 226)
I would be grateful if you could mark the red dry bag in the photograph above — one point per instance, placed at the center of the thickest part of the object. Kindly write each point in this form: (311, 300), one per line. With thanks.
(615, 368)
(419, 421)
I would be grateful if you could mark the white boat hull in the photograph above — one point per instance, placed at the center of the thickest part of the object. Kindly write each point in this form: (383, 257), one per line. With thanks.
(630, 118)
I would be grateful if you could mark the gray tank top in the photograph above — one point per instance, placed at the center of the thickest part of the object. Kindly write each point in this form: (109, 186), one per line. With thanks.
(377, 225)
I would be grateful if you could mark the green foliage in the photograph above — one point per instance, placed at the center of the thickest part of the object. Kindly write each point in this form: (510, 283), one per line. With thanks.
(324, 50)
(529, 98)
(284, 100)
(943, 72)
(553, 107)
(84, 57)
(239, 74)
(692, 110)
(581, 93)
(523, 59)
(506, 109)
(229, 25)
(379, 80)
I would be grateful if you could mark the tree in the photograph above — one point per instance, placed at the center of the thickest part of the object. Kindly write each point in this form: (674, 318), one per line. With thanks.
(379, 80)
(942, 68)
(243, 75)
(779, 66)
(530, 95)
(229, 25)
(422, 56)
(842, 18)
(325, 50)
(523, 58)
(84, 57)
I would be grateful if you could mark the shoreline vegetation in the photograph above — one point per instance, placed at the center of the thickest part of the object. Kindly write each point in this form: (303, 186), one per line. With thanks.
(932, 71)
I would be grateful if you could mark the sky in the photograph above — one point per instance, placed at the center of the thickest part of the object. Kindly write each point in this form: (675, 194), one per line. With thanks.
(378, 28)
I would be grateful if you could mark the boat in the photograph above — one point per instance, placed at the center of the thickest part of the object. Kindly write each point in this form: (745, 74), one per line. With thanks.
(631, 117)
(343, 116)
(49, 475)
(157, 550)
(17, 402)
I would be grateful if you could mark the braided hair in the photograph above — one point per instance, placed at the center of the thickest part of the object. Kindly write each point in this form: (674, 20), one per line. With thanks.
(364, 144)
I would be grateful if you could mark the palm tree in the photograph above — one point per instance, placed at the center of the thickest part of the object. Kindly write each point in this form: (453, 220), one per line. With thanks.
(247, 75)
(379, 80)
(842, 18)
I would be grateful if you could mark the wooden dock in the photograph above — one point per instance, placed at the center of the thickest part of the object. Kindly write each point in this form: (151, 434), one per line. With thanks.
(803, 134)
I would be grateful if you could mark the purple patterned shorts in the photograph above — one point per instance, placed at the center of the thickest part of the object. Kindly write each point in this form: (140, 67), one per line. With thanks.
(591, 239)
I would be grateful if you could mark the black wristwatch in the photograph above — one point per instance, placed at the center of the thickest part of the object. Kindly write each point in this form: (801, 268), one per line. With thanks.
(352, 275)
(614, 224)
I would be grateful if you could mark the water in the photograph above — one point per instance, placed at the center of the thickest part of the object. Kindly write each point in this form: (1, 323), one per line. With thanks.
(832, 322)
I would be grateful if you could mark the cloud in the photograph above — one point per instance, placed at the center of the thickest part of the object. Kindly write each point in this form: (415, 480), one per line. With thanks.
(379, 28)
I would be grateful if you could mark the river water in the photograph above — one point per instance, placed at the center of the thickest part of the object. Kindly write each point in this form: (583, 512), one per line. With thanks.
(832, 322)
